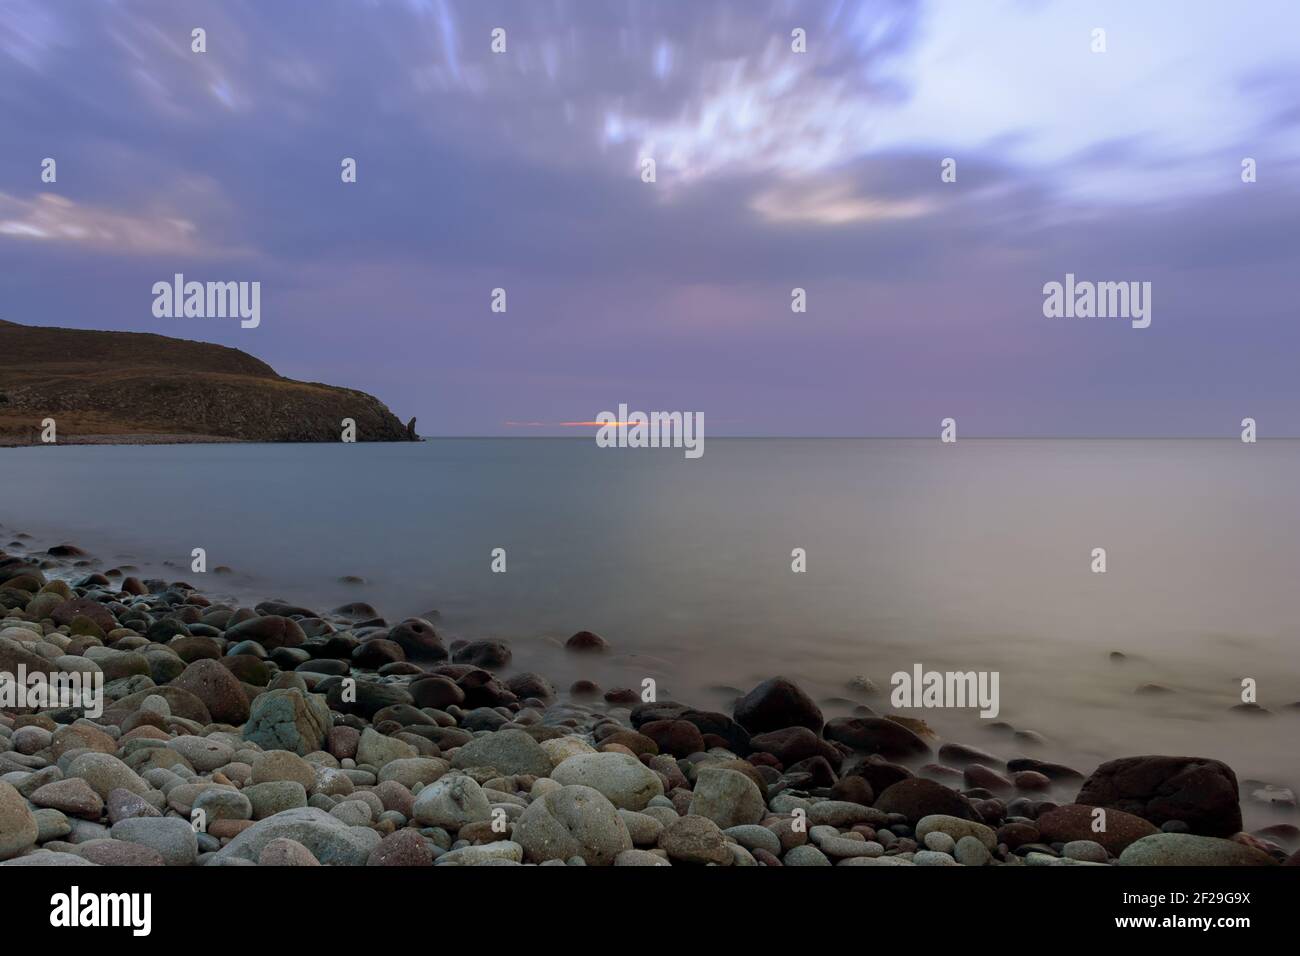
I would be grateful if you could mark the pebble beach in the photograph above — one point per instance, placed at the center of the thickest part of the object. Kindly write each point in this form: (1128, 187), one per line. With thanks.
(278, 735)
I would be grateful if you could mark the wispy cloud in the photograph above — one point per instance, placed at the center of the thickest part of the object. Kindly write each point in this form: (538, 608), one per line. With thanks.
(56, 219)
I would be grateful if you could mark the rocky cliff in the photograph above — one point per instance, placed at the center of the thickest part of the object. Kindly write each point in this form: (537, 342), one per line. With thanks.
(129, 385)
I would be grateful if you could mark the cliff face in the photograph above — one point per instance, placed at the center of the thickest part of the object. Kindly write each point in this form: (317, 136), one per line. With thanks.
(138, 384)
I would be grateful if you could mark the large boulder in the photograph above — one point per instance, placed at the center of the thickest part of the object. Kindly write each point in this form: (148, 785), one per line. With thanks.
(288, 719)
(171, 837)
(218, 688)
(509, 751)
(180, 702)
(451, 802)
(727, 797)
(572, 821)
(1196, 790)
(71, 796)
(625, 781)
(329, 839)
(775, 704)
(105, 773)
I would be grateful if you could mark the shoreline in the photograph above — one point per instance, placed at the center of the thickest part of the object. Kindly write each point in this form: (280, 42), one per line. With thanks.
(307, 737)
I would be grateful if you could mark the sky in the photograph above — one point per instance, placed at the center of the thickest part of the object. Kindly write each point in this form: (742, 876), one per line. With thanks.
(774, 170)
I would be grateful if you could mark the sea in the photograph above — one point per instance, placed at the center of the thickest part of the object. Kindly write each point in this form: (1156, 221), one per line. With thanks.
(980, 555)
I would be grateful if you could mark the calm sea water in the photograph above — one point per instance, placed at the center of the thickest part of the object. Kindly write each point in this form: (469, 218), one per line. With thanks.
(974, 556)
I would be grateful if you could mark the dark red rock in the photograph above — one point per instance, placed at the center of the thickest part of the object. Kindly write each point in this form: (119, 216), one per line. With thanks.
(977, 775)
(404, 848)
(218, 688)
(483, 690)
(342, 742)
(488, 654)
(720, 725)
(793, 744)
(377, 652)
(271, 631)
(876, 735)
(1018, 834)
(585, 642)
(248, 668)
(283, 609)
(1201, 792)
(367, 697)
(681, 738)
(1075, 821)
(355, 611)
(818, 769)
(119, 853)
(191, 649)
(418, 639)
(959, 755)
(1053, 771)
(68, 611)
(66, 551)
(529, 684)
(633, 740)
(776, 704)
(394, 796)
(437, 692)
(853, 790)
(992, 811)
(1031, 780)
(918, 798)
(880, 773)
(948, 776)
(656, 710)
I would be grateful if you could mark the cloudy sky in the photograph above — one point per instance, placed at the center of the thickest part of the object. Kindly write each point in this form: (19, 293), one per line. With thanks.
(775, 170)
